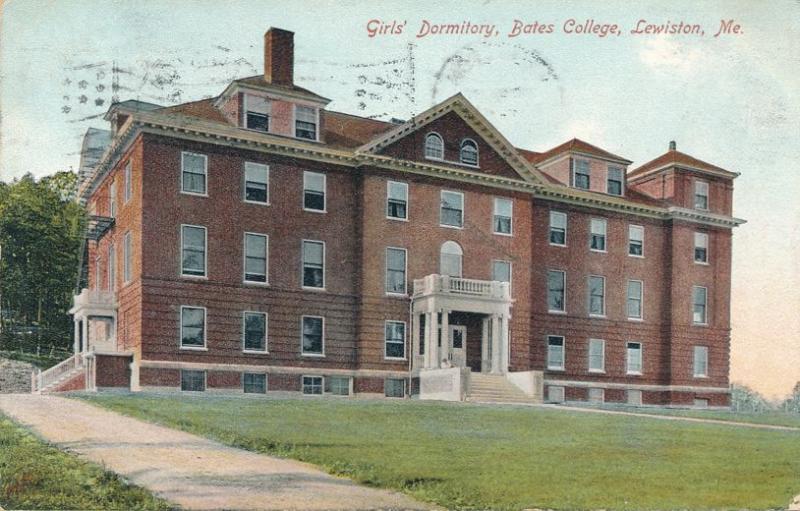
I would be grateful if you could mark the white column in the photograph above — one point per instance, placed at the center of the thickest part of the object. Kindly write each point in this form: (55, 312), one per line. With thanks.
(135, 387)
(414, 339)
(496, 344)
(434, 333)
(85, 326)
(484, 345)
(446, 348)
(505, 344)
(76, 336)
(426, 340)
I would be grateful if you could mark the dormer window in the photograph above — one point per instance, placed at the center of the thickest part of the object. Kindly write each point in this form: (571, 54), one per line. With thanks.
(305, 122)
(469, 152)
(701, 195)
(257, 111)
(434, 147)
(614, 185)
(581, 178)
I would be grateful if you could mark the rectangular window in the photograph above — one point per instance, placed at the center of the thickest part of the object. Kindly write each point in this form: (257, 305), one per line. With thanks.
(193, 250)
(112, 199)
(503, 215)
(597, 296)
(582, 174)
(397, 200)
(112, 268)
(312, 385)
(555, 394)
(636, 240)
(452, 209)
(127, 190)
(597, 395)
(699, 300)
(254, 383)
(257, 112)
(193, 173)
(700, 247)
(597, 240)
(254, 331)
(127, 257)
(556, 284)
(314, 185)
(313, 264)
(395, 339)
(396, 271)
(97, 283)
(634, 397)
(597, 355)
(305, 122)
(635, 299)
(394, 387)
(256, 183)
(555, 353)
(558, 228)
(700, 403)
(701, 195)
(193, 381)
(313, 335)
(501, 271)
(634, 358)
(193, 327)
(337, 385)
(700, 361)
(256, 248)
(614, 183)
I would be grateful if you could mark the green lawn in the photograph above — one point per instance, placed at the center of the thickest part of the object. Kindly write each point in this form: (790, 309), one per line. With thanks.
(34, 475)
(463, 456)
(775, 418)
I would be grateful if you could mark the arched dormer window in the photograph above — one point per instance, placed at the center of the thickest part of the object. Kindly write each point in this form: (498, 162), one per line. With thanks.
(434, 147)
(469, 152)
(450, 259)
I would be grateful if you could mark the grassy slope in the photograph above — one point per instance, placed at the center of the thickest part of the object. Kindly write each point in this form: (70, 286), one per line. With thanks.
(34, 475)
(776, 418)
(470, 456)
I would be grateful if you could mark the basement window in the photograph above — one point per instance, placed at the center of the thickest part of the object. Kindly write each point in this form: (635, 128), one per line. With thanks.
(193, 381)
(337, 385)
(394, 387)
(312, 385)
(254, 383)
(257, 112)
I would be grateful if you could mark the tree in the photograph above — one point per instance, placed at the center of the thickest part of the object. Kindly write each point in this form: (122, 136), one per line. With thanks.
(745, 399)
(41, 229)
(792, 403)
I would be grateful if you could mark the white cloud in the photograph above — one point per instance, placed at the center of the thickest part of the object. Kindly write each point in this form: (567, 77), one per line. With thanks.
(667, 55)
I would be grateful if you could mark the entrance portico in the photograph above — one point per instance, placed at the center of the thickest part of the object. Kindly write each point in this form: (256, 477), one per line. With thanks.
(440, 299)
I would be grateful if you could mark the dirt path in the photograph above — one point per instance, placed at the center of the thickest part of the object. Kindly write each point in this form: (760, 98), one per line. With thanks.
(191, 471)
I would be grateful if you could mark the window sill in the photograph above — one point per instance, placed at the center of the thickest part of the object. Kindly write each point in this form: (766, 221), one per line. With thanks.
(597, 371)
(506, 234)
(314, 355)
(194, 348)
(598, 251)
(636, 320)
(397, 218)
(255, 352)
(194, 277)
(195, 194)
(397, 295)
(558, 245)
(257, 203)
(633, 374)
(452, 226)
(701, 263)
(396, 359)
(598, 316)
(636, 256)
(700, 376)
(558, 369)
(319, 211)
(557, 312)
(704, 325)
(310, 288)
(254, 283)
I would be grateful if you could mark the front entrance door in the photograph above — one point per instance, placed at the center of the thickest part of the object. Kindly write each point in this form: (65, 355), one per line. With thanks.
(458, 345)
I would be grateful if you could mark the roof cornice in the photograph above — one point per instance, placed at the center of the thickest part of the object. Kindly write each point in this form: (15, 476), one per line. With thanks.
(235, 86)
(633, 176)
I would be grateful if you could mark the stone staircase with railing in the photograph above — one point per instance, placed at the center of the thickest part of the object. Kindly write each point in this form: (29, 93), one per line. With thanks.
(495, 388)
(51, 380)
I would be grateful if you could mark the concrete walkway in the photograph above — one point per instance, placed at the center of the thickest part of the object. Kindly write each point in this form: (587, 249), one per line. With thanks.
(191, 471)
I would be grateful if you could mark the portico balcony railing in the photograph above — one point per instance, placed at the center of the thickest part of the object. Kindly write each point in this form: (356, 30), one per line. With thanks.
(92, 299)
(444, 284)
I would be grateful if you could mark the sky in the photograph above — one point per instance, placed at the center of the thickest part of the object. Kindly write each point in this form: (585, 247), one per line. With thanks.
(732, 100)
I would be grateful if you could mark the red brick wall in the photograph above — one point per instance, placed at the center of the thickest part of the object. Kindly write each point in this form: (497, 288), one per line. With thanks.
(677, 187)
(371, 385)
(77, 382)
(113, 371)
(224, 380)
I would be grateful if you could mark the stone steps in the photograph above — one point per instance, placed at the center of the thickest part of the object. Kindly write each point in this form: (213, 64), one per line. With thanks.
(493, 388)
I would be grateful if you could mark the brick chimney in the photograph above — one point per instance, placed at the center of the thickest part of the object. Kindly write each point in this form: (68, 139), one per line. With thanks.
(279, 56)
(672, 145)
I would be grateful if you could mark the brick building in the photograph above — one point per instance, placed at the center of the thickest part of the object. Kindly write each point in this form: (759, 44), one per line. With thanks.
(259, 242)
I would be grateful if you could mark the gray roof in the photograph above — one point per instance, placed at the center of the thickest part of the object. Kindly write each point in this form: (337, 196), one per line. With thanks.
(95, 142)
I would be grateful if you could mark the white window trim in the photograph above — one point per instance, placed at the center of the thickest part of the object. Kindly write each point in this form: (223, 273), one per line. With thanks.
(127, 258)
(629, 241)
(463, 210)
(386, 271)
(641, 301)
(112, 198)
(266, 260)
(589, 297)
(705, 318)
(556, 311)
(694, 247)
(603, 353)
(349, 387)
(244, 185)
(111, 264)
(550, 228)
(707, 195)
(575, 172)
(324, 192)
(477, 163)
(204, 347)
(563, 366)
(425, 147)
(205, 379)
(324, 266)
(205, 167)
(408, 201)
(405, 339)
(127, 182)
(641, 359)
(205, 254)
(317, 355)
(294, 123)
(605, 235)
(269, 115)
(695, 374)
(494, 213)
(621, 181)
(266, 332)
(302, 385)
(266, 381)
